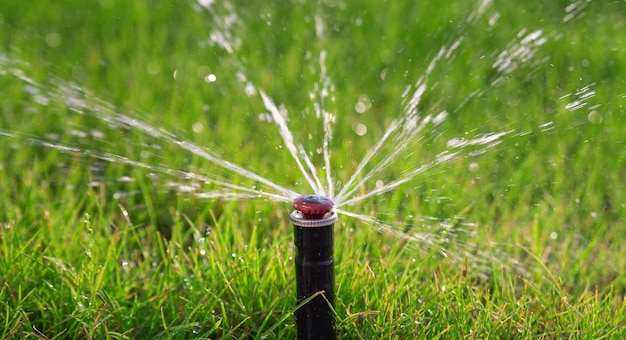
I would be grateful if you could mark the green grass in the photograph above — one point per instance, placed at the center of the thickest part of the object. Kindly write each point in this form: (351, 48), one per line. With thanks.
(535, 247)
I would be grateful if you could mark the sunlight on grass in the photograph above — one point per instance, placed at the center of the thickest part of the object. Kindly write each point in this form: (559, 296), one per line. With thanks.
(108, 230)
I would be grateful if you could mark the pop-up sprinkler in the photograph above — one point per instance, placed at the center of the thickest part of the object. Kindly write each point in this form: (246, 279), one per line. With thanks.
(313, 221)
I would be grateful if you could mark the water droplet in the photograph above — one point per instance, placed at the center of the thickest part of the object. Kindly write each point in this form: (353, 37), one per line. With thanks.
(97, 134)
(78, 133)
(126, 179)
(52, 136)
(473, 167)
(197, 127)
(585, 63)
(360, 129)
(211, 78)
(383, 74)
(360, 107)
(153, 67)
(53, 39)
(594, 117)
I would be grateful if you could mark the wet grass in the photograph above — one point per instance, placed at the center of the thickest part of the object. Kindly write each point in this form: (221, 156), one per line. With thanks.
(96, 249)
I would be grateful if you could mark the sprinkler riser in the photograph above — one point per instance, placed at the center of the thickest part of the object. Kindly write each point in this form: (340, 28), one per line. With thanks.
(315, 272)
(314, 221)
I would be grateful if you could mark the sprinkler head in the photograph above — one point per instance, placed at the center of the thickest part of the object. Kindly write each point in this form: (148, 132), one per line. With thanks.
(313, 207)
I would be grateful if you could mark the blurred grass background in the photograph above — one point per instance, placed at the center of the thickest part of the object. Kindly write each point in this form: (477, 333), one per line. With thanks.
(88, 253)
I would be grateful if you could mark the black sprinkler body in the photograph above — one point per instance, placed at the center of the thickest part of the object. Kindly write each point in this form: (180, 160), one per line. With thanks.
(313, 221)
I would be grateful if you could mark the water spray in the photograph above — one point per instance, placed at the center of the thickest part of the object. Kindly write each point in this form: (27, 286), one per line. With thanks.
(313, 221)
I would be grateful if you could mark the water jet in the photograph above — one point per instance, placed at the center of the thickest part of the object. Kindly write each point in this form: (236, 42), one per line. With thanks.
(313, 220)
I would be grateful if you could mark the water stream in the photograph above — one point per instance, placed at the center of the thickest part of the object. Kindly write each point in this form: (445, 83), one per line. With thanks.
(389, 164)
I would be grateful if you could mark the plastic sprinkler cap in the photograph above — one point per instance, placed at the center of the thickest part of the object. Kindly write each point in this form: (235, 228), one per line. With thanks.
(313, 207)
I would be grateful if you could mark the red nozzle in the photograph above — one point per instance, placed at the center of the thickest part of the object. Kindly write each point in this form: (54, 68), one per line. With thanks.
(313, 207)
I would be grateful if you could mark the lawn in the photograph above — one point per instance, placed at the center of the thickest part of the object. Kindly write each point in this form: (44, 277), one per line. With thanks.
(129, 131)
